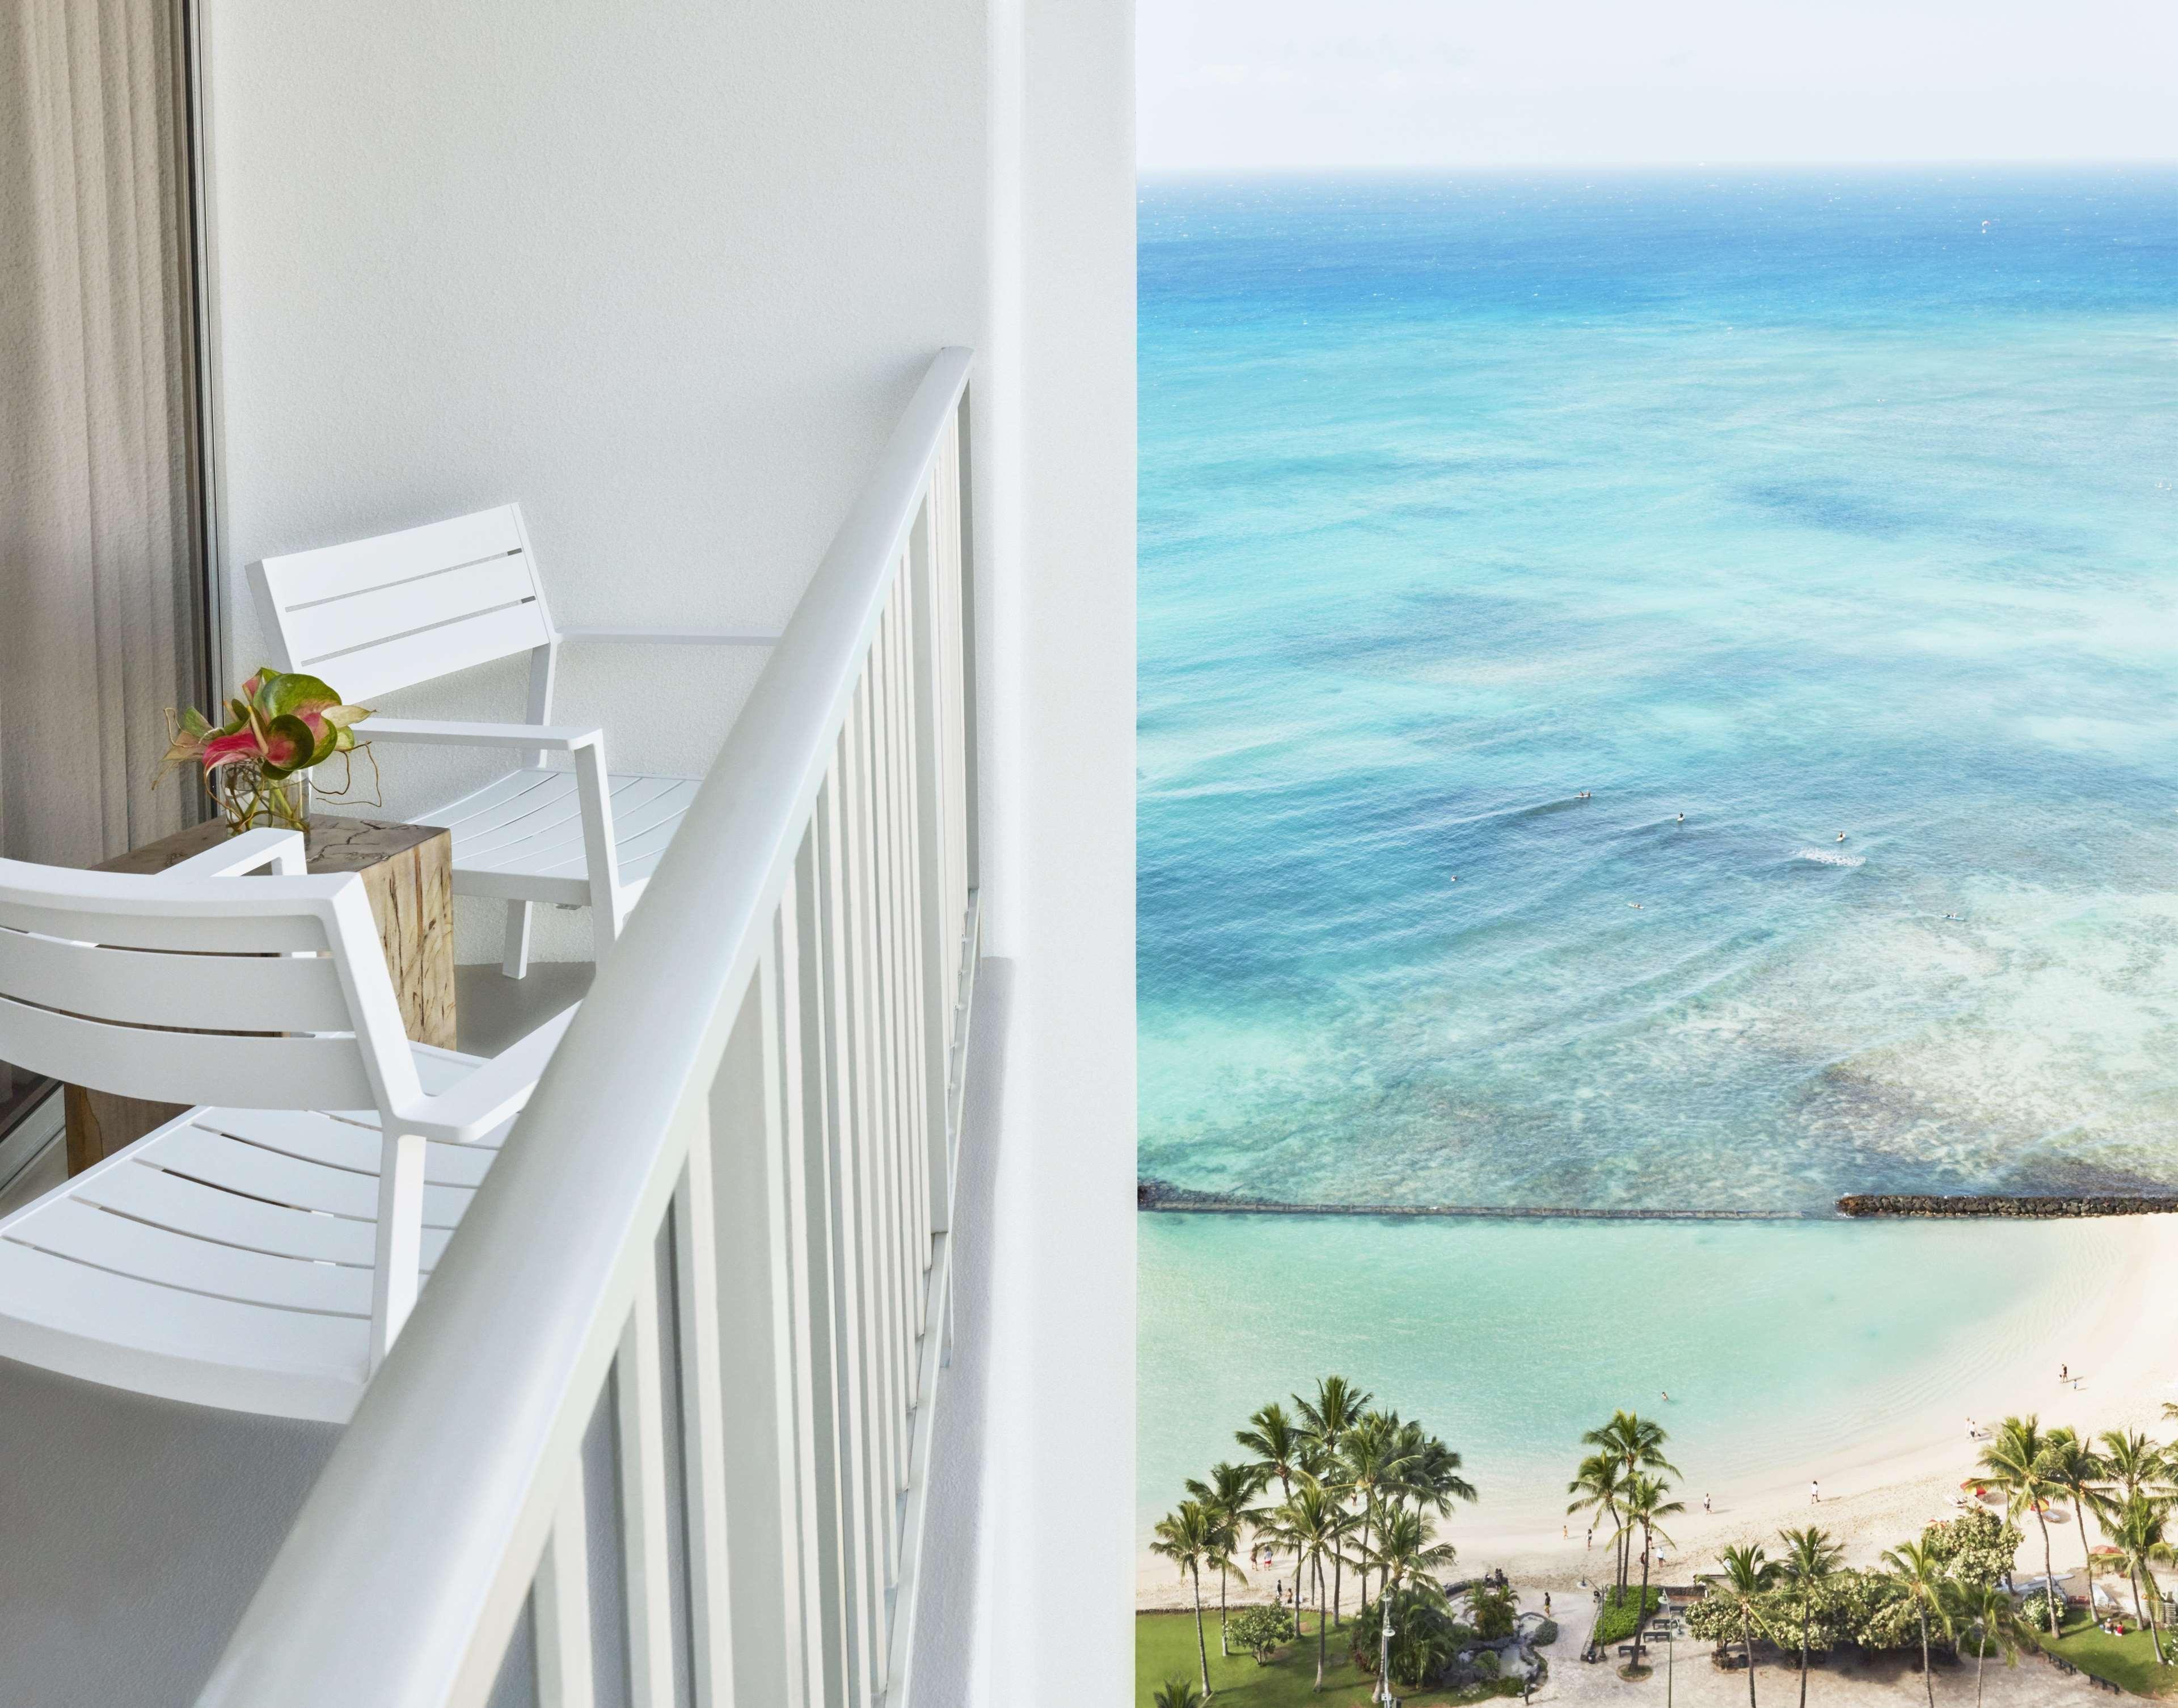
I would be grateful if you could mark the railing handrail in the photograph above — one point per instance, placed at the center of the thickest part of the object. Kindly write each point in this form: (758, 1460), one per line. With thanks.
(397, 1572)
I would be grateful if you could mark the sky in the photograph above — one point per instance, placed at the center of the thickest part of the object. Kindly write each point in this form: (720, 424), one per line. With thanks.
(1330, 84)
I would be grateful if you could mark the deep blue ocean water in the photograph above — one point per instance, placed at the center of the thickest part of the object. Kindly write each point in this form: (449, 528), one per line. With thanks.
(1488, 524)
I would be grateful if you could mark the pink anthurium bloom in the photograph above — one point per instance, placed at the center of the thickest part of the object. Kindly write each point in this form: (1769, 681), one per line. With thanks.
(227, 750)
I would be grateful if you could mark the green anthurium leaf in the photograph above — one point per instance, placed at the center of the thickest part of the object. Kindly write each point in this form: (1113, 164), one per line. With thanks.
(264, 688)
(237, 714)
(193, 722)
(343, 739)
(298, 692)
(289, 746)
(345, 715)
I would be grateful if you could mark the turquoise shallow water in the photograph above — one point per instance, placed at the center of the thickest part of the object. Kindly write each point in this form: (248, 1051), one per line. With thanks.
(1794, 504)
(1779, 1343)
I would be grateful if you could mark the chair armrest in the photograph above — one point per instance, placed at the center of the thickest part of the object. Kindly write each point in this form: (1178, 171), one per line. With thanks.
(497, 1089)
(250, 851)
(674, 636)
(558, 738)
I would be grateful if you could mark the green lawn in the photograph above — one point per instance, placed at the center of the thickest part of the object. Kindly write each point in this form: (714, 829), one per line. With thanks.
(1164, 1648)
(2128, 1662)
(1615, 1623)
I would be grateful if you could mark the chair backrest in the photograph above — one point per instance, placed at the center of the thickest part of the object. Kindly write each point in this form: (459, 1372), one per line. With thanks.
(380, 614)
(262, 993)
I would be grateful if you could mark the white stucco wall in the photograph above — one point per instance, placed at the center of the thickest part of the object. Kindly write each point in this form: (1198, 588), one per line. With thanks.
(665, 271)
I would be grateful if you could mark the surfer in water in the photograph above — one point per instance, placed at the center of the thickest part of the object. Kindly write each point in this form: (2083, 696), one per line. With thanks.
(1841, 835)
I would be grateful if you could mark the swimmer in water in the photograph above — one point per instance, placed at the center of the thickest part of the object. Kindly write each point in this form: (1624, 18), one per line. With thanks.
(1682, 817)
(1841, 835)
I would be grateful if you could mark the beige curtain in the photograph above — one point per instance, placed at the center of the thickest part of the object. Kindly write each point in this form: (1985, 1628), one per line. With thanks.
(100, 599)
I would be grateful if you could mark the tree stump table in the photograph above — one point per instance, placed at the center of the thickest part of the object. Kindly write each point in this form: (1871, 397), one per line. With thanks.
(408, 873)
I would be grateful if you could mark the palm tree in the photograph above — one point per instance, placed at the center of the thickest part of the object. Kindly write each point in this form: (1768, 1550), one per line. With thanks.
(1637, 1444)
(1178, 1693)
(1988, 1611)
(2075, 1467)
(2013, 1462)
(1188, 1537)
(2142, 1546)
(1810, 1556)
(1275, 1440)
(1917, 1574)
(1312, 1523)
(1646, 1506)
(2134, 1466)
(1406, 1545)
(1428, 1473)
(1371, 1460)
(1748, 1575)
(1225, 1497)
(1598, 1485)
(1326, 1421)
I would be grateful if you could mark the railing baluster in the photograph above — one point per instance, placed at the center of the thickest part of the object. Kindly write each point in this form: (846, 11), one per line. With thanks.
(561, 1602)
(861, 1572)
(874, 1174)
(911, 1261)
(638, 1392)
(888, 1048)
(703, 1430)
(783, 1029)
(763, 1572)
(910, 919)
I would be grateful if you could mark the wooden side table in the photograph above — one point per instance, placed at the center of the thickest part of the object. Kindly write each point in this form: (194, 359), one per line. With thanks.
(408, 873)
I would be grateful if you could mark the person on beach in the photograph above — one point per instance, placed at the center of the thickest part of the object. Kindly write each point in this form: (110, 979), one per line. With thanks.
(1546, 1604)
(2064, 1372)
(1705, 1502)
(1815, 1492)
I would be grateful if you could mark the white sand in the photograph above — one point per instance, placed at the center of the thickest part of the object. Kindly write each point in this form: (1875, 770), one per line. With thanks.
(1880, 1488)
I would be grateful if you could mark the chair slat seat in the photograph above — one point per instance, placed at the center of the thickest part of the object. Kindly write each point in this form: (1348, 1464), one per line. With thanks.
(521, 837)
(226, 1258)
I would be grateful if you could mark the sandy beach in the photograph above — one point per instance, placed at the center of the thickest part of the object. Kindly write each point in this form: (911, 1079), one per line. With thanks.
(1881, 1486)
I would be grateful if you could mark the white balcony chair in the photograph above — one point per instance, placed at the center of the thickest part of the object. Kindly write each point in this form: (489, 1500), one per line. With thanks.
(386, 613)
(260, 1251)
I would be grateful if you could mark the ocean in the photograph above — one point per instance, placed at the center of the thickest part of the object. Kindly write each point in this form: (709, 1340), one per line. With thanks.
(1490, 524)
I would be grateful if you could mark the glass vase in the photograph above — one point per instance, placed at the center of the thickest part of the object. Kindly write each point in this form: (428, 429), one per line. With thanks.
(249, 799)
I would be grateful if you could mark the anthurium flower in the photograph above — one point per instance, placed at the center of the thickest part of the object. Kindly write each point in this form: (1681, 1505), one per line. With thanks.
(282, 721)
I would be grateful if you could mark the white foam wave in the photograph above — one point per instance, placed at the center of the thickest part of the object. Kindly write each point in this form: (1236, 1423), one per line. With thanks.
(1829, 856)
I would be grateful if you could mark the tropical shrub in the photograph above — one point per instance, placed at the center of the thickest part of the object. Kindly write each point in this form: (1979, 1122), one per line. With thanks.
(1493, 1610)
(1546, 1633)
(1425, 1636)
(1485, 1663)
(1178, 1693)
(1977, 1548)
(2034, 1611)
(1262, 1631)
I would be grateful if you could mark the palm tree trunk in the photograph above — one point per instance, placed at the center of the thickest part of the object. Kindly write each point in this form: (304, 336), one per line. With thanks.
(1807, 1612)
(2049, 1572)
(1981, 1661)
(1747, 1637)
(2155, 1595)
(1641, 1607)
(2080, 1518)
(1319, 1622)
(1202, 1647)
(2137, 1613)
(1928, 1678)
(1337, 1577)
(1225, 1648)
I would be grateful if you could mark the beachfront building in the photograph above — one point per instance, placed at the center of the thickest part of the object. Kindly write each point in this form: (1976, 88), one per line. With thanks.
(794, 1318)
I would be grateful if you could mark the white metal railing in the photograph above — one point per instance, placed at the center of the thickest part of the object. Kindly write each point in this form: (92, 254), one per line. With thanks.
(724, 1215)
